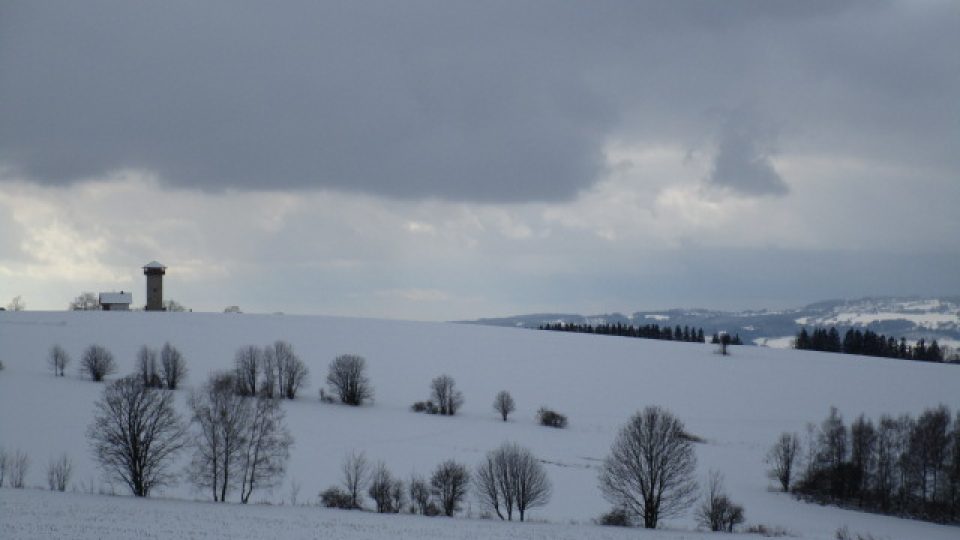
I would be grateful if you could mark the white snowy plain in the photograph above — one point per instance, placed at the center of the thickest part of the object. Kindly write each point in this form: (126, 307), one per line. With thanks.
(739, 404)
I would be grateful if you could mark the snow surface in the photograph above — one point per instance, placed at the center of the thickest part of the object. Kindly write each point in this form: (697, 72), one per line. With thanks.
(42, 514)
(739, 404)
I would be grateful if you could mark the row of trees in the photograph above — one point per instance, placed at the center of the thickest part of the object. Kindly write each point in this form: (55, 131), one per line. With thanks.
(868, 343)
(648, 331)
(900, 465)
(165, 369)
(14, 467)
(509, 481)
(271, 371)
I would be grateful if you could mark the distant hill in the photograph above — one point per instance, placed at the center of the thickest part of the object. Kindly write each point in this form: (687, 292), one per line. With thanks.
(910, 317)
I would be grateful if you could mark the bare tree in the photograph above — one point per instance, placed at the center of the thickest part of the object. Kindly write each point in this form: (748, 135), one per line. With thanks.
(173, 367)
(87, 301)
(19, 464)
(444, 394)
(356, 474)
(783, 457)
(725, 341)
(381, 489)
(449, 485)
(58, 473)
(173, 306)
(97, 362)
(650, 468)
(397, 495)
(511, 476)
(4, 465)
(136, 433)
(266, 447)
(419, 495)
(503, 404)
(268, 368)
(718, 512)
(291, 372)
(221, 417)
(17, 304)
(148, 369)
(347, 378)
(247, 363)
(58, 360)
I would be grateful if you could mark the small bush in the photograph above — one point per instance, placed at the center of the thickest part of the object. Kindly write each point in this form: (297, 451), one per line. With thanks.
(58, 473)
(326, 398)
(424, 407)
(718, 513)
(618, 517)
(335, 497)
(843, 533)
(769, 532)
(97, 362)
(551, 418)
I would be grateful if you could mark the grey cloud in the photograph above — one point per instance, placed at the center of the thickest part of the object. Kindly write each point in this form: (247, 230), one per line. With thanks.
(742, 162)
(492, 102)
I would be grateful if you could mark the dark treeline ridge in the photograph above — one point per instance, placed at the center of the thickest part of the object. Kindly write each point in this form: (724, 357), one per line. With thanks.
(900, 465)
(868, 343)
(647, 331)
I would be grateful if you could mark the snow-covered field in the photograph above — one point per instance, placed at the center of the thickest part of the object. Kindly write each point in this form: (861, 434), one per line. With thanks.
(738, 403)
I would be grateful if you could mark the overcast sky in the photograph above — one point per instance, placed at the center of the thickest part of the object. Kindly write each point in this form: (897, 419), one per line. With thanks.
(452, 160)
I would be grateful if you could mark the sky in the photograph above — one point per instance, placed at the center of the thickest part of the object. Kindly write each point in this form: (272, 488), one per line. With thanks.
(444, 160)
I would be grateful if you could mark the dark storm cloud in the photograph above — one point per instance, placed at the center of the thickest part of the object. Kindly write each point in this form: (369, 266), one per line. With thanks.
(490, 101)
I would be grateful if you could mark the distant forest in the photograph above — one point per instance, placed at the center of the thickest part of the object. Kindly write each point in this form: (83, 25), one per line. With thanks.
(868, 343)
(647, 331)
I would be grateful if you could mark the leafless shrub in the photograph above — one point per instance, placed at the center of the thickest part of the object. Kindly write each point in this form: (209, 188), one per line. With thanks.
(86, 301)
(768, 531)
(97, 362)
(347, 378)
(449, 485)
(445, 396)
(717, 512)
(58, 360)
(424, 407)
(334, 497)
(136, 433)
(58, 473)
(649, 471)
(616, 517)
(843, 533)
(504, 404)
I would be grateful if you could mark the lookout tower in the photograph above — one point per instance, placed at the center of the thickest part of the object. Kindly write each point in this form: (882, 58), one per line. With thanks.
(154, 272)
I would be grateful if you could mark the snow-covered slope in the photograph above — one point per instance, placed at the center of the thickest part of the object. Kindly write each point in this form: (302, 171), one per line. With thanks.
(739, 403)
(910, 317)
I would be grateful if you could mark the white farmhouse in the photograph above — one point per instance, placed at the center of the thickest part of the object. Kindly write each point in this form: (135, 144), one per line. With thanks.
(116, 301)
